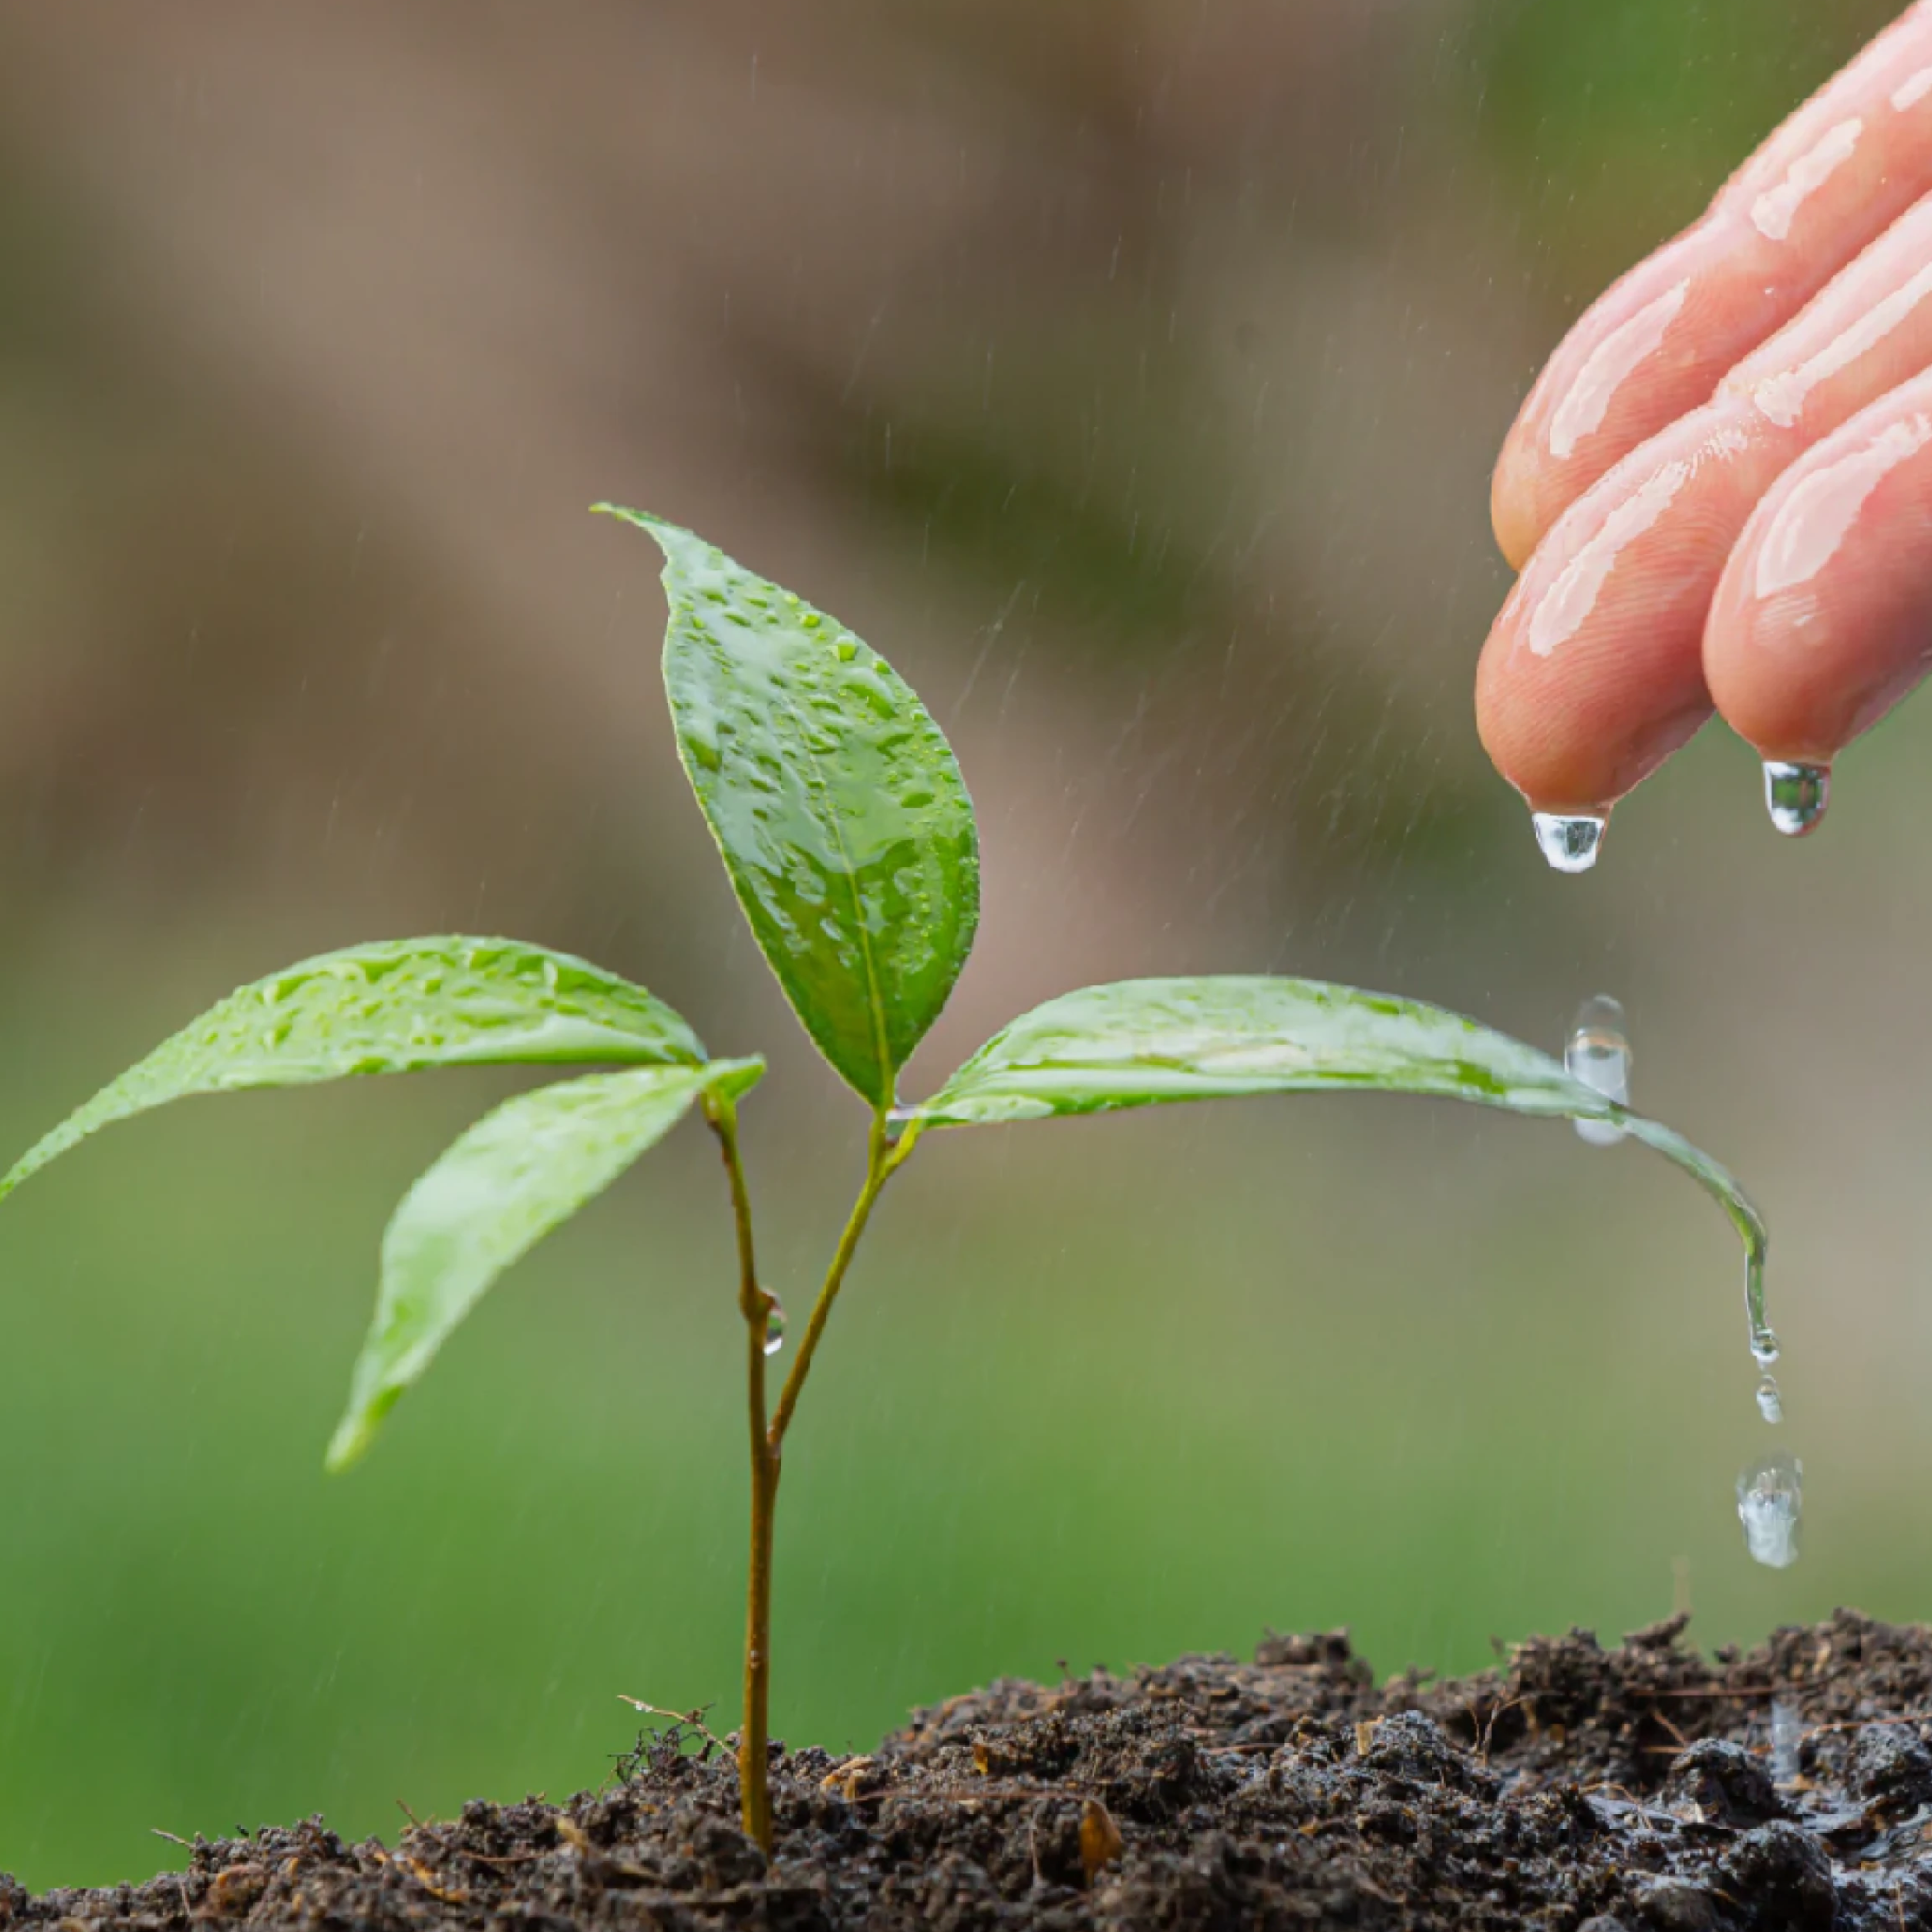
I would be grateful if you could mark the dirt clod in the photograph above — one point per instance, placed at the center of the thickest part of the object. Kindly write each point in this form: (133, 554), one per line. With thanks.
(1575, 1789)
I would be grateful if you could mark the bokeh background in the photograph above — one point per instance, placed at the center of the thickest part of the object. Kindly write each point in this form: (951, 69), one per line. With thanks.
(1129, 371)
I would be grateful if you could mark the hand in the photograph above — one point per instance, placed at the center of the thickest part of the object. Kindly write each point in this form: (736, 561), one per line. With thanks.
(1719, 491)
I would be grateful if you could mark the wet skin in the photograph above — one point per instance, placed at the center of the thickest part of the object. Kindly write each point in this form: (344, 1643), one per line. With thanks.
(1719, 491)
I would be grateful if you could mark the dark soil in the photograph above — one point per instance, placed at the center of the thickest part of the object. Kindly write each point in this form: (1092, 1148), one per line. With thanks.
(1574, 1788)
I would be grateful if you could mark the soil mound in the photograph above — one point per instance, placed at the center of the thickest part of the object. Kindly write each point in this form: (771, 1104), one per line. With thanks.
(1576, 1788)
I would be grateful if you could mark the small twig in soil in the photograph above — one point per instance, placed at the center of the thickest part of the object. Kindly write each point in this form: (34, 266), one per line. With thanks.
(1486, 1735)
(1636, 1803)
(186, 1844)
(1866, 1724)
(693, 1721)
(1715, 1690)
(416, 1822)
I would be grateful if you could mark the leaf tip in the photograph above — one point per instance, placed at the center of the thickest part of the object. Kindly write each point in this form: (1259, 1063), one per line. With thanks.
(645, 520)
(353, 1435)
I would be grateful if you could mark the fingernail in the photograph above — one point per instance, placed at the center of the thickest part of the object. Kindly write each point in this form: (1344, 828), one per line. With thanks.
(1570, 839)
(1796, 795)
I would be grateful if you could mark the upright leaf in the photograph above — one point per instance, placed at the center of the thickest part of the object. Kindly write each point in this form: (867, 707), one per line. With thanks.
(1143, 1042)
(836, 802)
(501, 1188)
(390, 1008)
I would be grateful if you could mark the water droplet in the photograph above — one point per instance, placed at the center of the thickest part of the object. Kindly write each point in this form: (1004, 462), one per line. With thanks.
(1770, 1403)
(1765, 1346)
(1598, 1054)
(1770, 1501)
(900, 1116)
(847, 649)
(1795, 796)
(1786, 1729)
(775, 1324)
(1570, 840)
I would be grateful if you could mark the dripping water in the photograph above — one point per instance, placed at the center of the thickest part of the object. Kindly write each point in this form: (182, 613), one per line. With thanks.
(1569, 840)
(1770, 1503)
(1795, 796)
(1598, 1053)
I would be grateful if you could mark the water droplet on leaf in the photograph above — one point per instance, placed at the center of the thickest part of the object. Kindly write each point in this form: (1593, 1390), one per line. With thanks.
(1597, 1053)
(775, 1322)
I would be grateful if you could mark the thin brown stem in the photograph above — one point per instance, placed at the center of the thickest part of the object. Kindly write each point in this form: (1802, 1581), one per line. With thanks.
(883, 1159)
(753, 1765)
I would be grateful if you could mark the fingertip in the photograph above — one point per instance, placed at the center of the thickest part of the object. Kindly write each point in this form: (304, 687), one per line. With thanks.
(1513, 507)
(1816, 628)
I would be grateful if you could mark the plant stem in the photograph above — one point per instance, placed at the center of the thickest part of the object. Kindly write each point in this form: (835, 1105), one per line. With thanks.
(753, 1768)
(882, 1161)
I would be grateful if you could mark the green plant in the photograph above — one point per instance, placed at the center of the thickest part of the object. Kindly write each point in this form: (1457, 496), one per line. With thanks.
(846, 829)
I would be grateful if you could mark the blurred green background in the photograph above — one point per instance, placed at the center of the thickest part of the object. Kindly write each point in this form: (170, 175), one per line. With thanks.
(1129, 371)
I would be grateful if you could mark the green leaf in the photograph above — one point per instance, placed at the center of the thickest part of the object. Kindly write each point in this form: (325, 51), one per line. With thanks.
(1143, 1042)
(390, 1008)
(491, 1198)
(835, 799)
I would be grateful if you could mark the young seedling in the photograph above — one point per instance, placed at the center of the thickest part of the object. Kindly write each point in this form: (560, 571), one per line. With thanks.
(842, 820)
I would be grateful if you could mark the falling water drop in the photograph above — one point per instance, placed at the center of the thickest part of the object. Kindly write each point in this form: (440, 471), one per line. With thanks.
(1598, 1054)
(1770, 1403)
(1570, 839)
(1795, 796)
(1786, 1729)
(775, 1324)
(1770, 1501)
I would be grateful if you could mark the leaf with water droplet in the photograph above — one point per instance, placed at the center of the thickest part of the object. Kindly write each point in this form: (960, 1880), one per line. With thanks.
(391, 1007)
(828, 786)
(1142, 1042)
(500, 1187)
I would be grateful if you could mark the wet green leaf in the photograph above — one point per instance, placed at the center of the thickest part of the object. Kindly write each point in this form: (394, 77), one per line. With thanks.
(495, 1193)
(1143, 1042)
(390, 1008)
(836, 802)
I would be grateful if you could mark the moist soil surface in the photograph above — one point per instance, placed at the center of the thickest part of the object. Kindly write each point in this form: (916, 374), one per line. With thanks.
(1575, 1787)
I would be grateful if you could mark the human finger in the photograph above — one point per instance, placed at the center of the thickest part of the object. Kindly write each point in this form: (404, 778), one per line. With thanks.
(1818, 626)
(1830, 179)
(1594, 671)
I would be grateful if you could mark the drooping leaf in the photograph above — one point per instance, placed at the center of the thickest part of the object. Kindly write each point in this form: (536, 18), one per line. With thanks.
(836, 802)
(390, 1006)
(1143, 1042)
(500, 1188)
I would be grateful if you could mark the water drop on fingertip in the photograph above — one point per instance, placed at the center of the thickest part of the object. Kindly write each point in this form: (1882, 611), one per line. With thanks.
(1597, 1053)
(1771, 1495)
(1569, 841)
(1795, 796)
(775, 1324)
